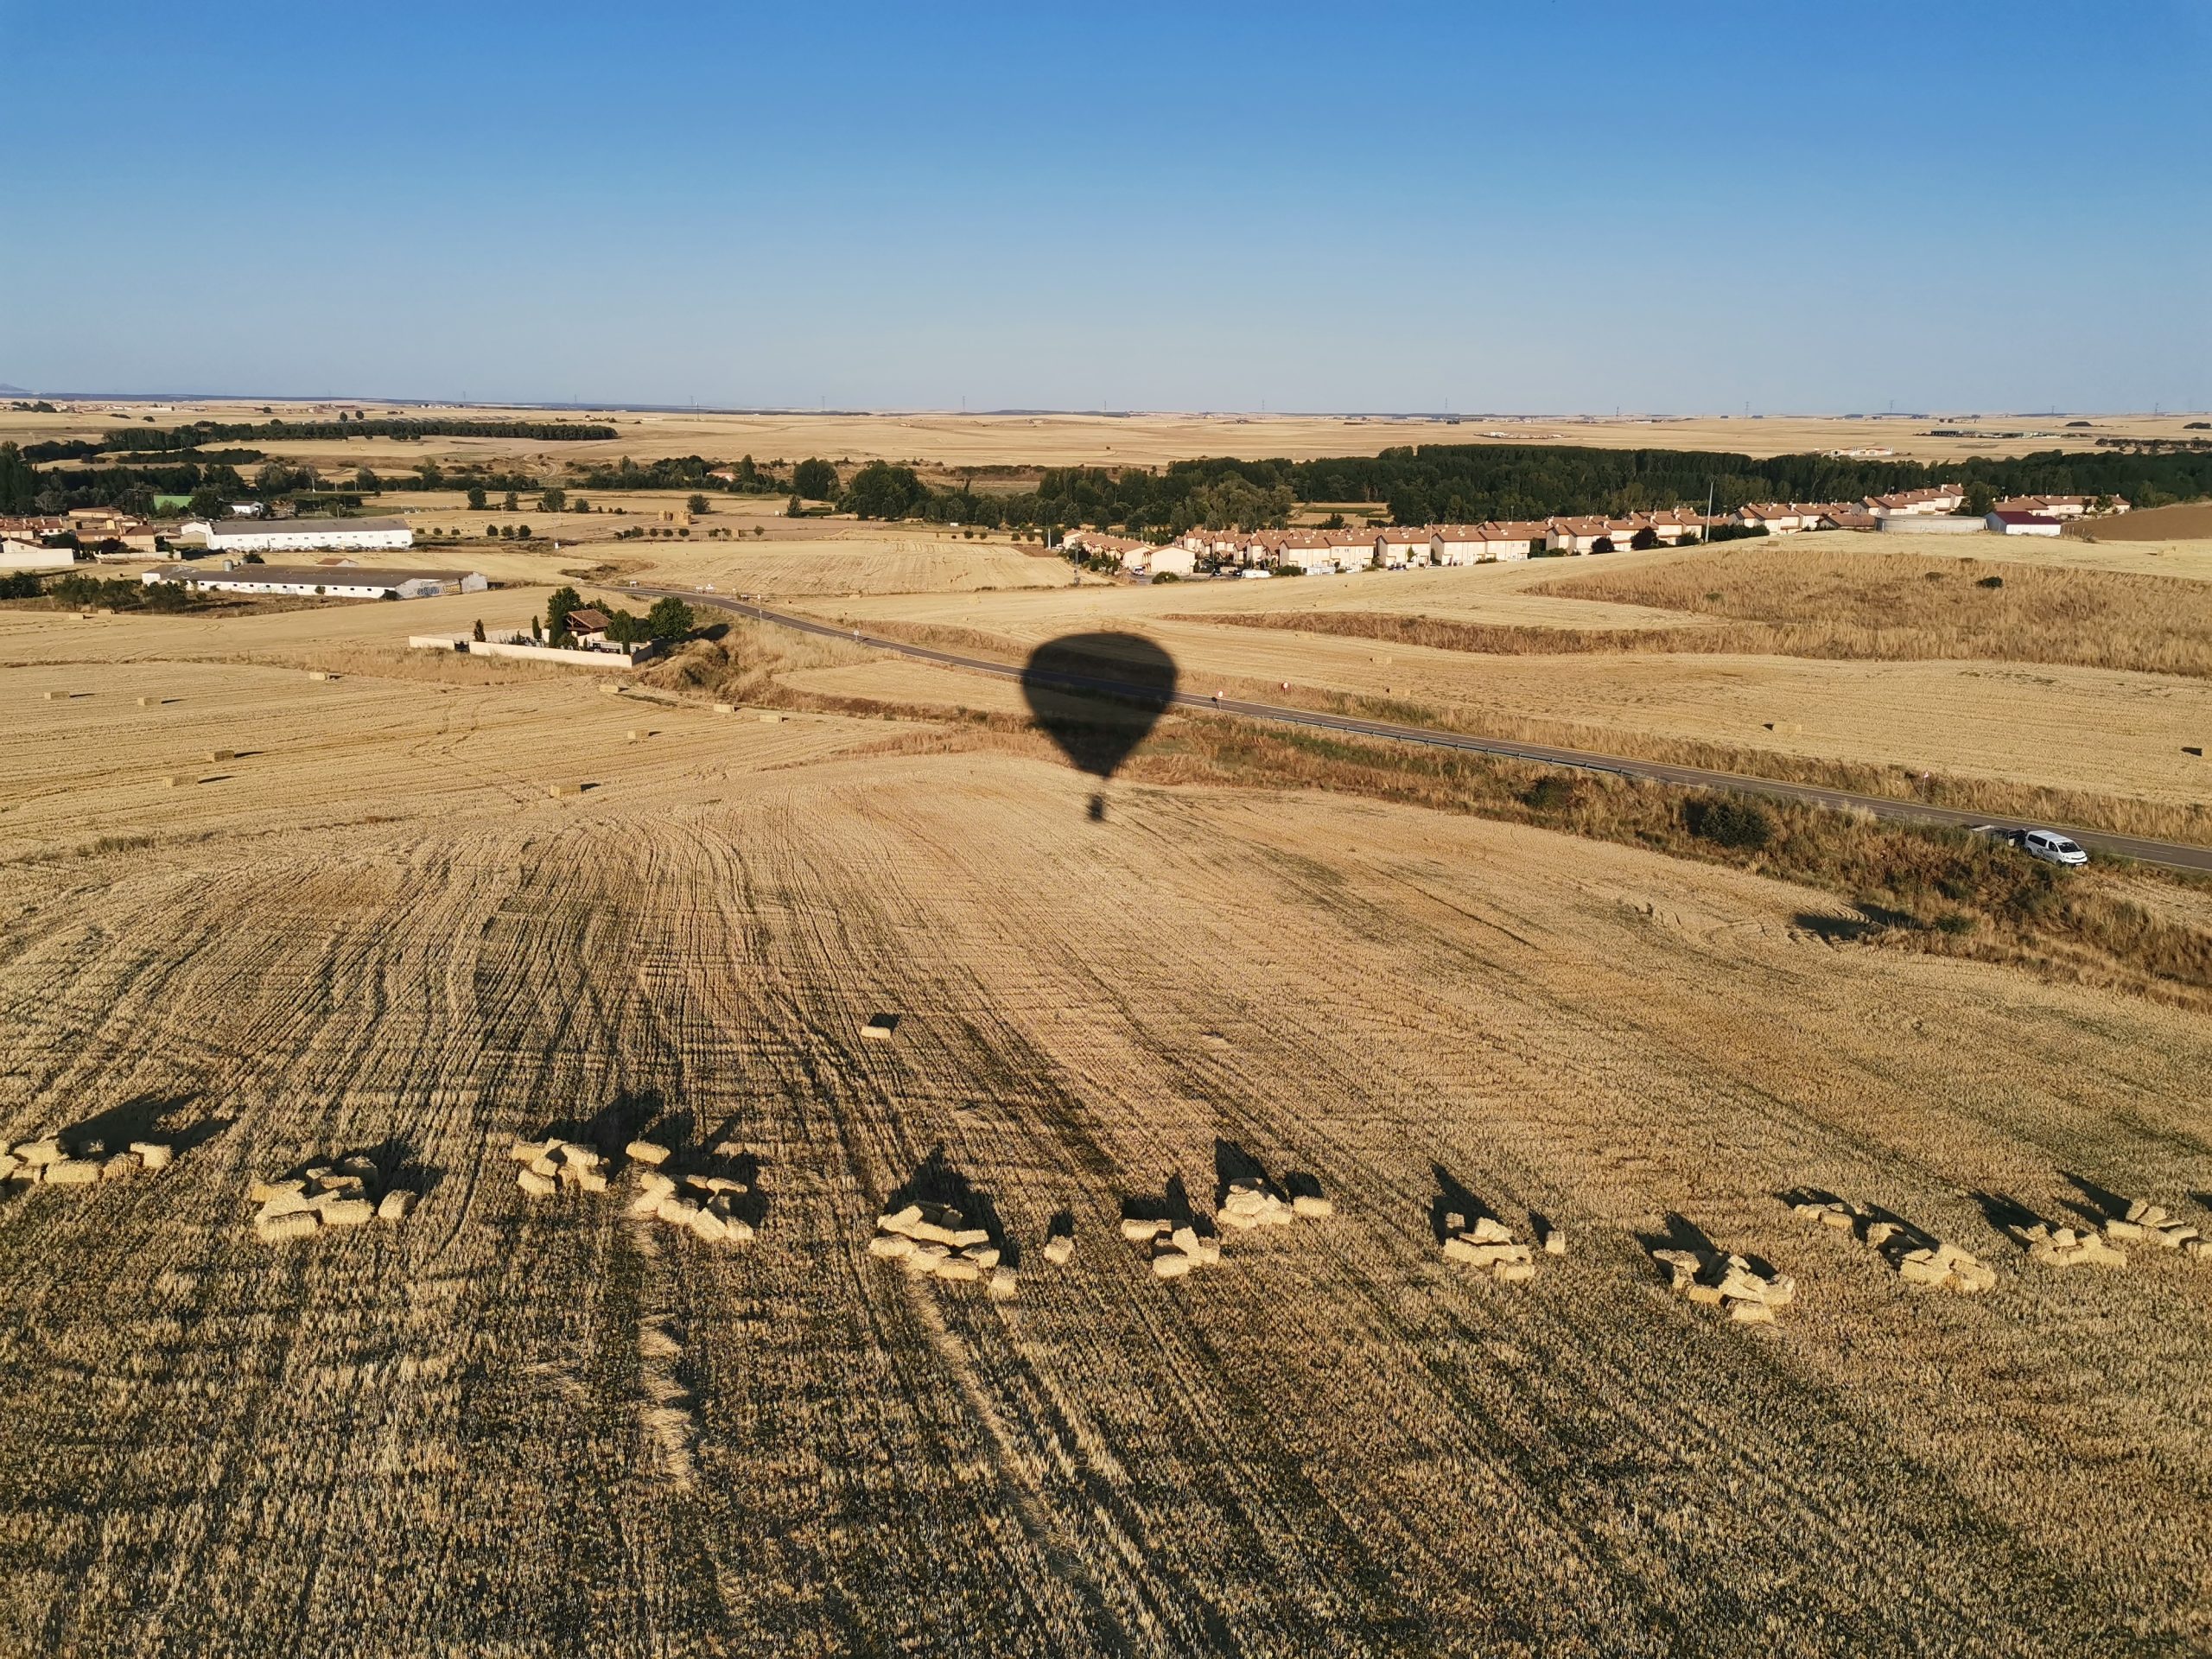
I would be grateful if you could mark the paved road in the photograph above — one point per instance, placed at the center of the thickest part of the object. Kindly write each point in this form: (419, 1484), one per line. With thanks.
(2175, 854)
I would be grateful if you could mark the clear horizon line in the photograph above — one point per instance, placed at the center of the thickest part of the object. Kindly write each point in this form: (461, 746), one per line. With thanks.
(878, 411)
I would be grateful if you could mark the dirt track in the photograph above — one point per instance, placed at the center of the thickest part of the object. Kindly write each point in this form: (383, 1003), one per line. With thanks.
(381, 931)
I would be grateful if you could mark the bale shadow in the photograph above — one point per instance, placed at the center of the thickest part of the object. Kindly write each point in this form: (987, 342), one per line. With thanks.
(1453, 1198)
(2101, 1203)
(140, 1119)
(2007, 1215)
(937, 1180)
(1062, 1224)
(1170, 1204)
(621, 1121)
(1232, 1163)
(1677, 1232)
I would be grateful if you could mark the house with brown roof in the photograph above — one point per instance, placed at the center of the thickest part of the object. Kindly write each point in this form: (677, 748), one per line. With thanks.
(1402, 545)
(2063, 506)
(1310, 551)
(1786, 517)
(1943, 498)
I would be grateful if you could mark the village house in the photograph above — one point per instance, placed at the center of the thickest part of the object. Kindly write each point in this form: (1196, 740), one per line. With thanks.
(1354, 549)
(1459, 544)
(1514, 538)
(1944, 498)
(1396, 548)
(1671, 525)
(1310, 551)
(2063, 506)
(1786, 517)
(588, 626)
(1845, 518)
(1177, 561)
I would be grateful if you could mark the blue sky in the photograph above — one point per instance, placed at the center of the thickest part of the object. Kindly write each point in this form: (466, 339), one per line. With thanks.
(1545, 208)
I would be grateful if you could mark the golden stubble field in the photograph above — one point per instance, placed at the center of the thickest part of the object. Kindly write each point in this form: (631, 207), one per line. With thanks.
(2095, 730)
(374, 927)
(948, 438)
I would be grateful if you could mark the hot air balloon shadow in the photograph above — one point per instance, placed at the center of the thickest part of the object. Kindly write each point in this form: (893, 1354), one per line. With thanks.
(1097, 696)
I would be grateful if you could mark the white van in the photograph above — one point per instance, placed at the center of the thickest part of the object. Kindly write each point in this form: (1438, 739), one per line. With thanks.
(2045, 844)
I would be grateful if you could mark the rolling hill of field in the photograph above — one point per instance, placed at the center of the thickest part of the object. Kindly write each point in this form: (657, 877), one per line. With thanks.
(542, 1425)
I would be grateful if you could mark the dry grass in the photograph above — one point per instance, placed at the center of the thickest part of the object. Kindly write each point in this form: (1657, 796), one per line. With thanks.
(2182, 816)
(1895, 606)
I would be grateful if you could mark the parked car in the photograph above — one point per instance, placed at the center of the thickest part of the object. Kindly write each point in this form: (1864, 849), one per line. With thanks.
(2045, 844)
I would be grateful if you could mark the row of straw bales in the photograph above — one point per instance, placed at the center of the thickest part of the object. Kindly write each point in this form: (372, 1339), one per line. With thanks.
(1745, 1292)
(46, 1160)
(1175, 1249)
(937, 1241)
(2151, 1224)
(703, 1202)
(1920, 1258)
(1488, 1242)
(348, 1190)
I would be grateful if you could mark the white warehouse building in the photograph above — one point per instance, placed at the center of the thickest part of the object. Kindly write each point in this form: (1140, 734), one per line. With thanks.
(298, 534)
(323, 581)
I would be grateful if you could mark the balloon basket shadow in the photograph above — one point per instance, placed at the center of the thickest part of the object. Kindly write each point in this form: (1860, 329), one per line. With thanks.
(1098, 809)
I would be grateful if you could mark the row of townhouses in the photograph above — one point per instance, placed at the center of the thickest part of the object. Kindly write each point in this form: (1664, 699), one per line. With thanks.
(1317, 550)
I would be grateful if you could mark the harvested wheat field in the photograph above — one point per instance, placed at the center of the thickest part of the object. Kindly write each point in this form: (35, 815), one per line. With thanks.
(532, 1421)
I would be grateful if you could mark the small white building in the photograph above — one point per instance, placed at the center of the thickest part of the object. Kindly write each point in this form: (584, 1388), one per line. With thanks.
(237, 536)
(2013, 523)
(317, 582)
(1176, 561)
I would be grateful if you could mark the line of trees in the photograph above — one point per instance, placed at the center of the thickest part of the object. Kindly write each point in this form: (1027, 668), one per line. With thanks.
(1468, 484)
(201, 432)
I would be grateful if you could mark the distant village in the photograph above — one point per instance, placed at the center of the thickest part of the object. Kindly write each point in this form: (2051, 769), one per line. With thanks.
(1314, 552)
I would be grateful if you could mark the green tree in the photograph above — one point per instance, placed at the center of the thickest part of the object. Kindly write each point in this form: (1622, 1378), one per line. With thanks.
(563, 601)
(431, 474)
(879, 490)
(367, 482)
(696, 504)
(624, 629)
(476, 498)
(477, 632)
(793, 508)
(522, 532)
(512, 501)
(669, 618)
(555, 500)
(579, 506)
(815, 479)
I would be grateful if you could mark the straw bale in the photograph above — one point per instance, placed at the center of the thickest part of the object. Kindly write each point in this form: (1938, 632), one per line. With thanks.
(1313, 1209)
(154, 1154)
(538, 1186)
(1002, 1284)
(1513, 1273)
(41, 1152)
(900, 1221)
(707, 1226)
(1059, 1249)
(959, 1268)
(121, 1166)
(1171, 1264)
(73, 1172)
(396, 1206)
(8, 1165)
(275, 1229)
(646, 1152)
(1745, 1311)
